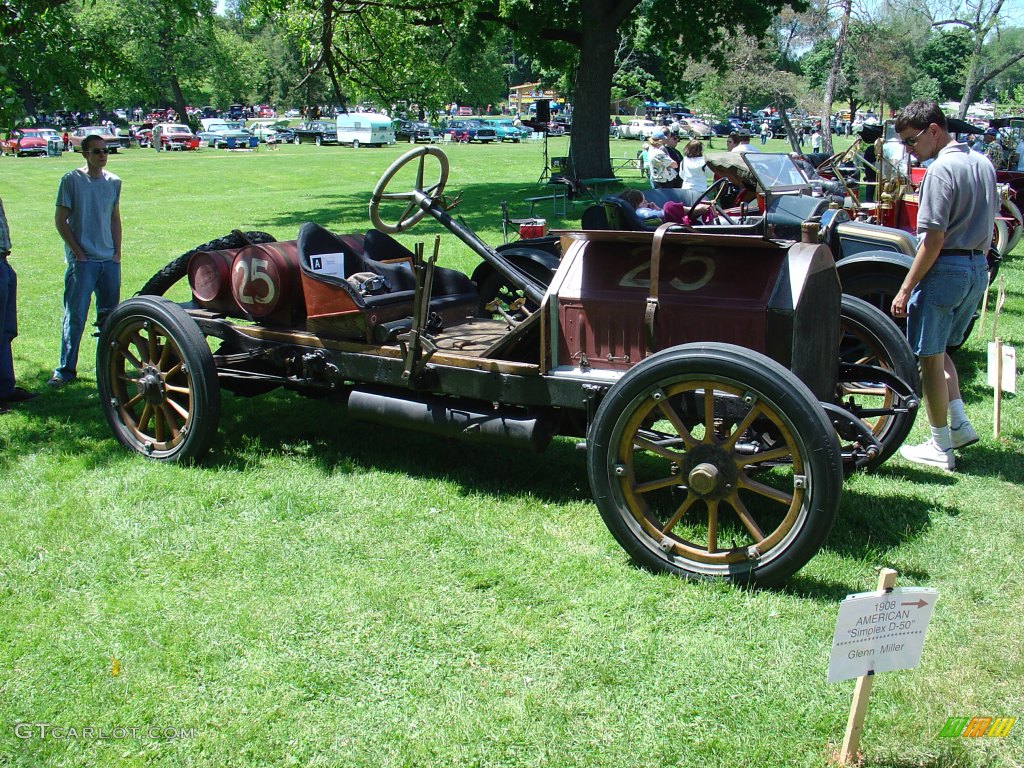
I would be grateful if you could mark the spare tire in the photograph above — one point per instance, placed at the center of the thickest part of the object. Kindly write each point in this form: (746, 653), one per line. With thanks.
(162, 281)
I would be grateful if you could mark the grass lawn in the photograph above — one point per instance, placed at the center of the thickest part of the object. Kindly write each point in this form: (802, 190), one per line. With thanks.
(317, 593)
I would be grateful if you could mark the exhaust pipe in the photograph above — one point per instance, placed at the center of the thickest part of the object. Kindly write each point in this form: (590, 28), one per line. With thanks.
(452, 417)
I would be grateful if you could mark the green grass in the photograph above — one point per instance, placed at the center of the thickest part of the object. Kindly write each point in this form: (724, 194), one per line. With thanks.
(317, 593)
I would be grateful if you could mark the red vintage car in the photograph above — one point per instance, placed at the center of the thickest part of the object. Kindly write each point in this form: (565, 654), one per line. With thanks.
(170, 136)
(27, 141)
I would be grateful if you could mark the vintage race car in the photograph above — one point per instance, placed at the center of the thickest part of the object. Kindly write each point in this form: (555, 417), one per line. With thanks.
(701, 370)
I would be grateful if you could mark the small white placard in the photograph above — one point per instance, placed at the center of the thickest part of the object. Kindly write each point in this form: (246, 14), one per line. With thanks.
(880, 632)
(1009, 367)
(328, 264)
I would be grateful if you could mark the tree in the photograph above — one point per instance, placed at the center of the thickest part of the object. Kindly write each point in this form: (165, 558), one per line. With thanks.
(981, 19)
(54, 53)
(835, 72)
(581, 37)
(944, 59)
(406, 45)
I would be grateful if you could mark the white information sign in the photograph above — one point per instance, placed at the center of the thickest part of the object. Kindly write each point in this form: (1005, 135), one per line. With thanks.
(328, 264)
(880, 632)
(1009, 370)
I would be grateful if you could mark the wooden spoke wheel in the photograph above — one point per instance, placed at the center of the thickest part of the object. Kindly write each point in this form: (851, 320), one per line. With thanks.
(869, 337)
(157, 380)
(712, 461)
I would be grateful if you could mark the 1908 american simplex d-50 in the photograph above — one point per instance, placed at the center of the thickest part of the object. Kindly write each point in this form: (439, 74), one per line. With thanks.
(720, 389)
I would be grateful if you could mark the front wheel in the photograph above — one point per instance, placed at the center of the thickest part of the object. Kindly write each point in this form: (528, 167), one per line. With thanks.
(711, 461)
(157, 380)
(869, 337)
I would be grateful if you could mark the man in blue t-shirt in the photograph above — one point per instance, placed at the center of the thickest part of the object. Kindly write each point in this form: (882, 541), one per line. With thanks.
(945, 284)
(88, 218)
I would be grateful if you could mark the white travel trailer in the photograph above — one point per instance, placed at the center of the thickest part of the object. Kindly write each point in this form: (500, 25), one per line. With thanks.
(361, 128)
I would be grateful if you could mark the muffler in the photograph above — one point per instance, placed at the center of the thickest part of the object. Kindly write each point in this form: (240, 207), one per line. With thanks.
(452, 417)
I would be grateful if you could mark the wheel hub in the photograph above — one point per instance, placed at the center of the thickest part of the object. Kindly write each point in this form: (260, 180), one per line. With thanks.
(710, 471)
(151, 385)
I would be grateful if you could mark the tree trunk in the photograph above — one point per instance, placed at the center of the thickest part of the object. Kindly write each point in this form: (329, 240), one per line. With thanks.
(591, 103)
(971, 80)
(179, 103)
(833, 76)
(794, 142)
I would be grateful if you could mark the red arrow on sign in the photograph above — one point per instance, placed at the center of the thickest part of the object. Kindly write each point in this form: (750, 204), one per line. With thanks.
(919, 603)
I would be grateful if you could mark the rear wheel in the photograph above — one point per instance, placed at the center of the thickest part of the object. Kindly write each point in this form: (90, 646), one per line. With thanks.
(711, 461)
(157, 380)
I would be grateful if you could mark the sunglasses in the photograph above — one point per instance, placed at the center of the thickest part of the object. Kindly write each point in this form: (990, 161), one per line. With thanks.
(99, 151)
(913, 139)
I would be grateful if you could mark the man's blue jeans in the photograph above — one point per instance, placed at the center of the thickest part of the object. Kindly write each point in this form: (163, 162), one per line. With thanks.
(81, 280)
(8, 325)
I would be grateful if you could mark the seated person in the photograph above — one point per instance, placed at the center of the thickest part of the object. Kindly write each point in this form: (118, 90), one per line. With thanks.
(670, 212)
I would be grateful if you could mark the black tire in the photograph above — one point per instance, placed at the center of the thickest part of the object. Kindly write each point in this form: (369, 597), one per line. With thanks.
(868, 336)
(877, 288)
(157, 380)
(162, 281)
(651, 461)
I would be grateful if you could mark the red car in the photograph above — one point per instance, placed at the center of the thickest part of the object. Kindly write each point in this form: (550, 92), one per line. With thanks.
(27, 141)
(167, 136)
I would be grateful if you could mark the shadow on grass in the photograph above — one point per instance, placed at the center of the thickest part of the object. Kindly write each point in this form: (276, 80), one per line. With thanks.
(321, 430)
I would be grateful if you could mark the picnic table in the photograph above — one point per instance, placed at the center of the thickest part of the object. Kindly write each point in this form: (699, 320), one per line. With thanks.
(596, 188)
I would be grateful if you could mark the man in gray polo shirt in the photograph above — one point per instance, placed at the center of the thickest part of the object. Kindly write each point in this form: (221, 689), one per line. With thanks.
(948, 278)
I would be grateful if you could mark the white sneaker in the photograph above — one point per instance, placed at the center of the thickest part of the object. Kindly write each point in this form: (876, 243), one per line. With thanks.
(930, 454)
(963, 435)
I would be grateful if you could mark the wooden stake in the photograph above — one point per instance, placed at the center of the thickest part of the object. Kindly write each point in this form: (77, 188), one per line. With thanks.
(981, 322)
(862, 693)
(997, 405)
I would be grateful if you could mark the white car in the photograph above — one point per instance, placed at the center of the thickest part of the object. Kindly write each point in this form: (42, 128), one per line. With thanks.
(636, 129)
(265, 127)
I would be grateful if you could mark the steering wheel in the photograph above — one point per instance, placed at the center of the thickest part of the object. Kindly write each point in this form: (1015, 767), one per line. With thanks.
(717, 187)
(415, 209)
(837, 160)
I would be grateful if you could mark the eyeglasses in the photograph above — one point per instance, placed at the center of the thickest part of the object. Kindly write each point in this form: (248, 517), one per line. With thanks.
(99, 151)
(913, 139)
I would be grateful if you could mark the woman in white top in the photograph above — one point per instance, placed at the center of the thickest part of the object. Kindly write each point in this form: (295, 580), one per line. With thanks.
(693, 170)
